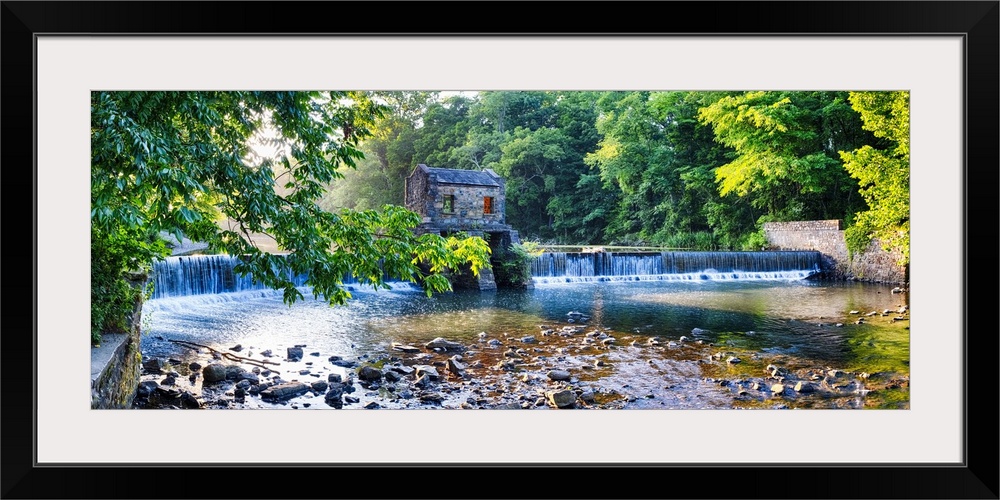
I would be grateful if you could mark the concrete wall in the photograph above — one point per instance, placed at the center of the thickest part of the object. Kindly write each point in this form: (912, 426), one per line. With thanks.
(827, 237)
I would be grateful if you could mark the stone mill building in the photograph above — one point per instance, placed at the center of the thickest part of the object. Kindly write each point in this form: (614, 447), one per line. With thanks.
(470, 201)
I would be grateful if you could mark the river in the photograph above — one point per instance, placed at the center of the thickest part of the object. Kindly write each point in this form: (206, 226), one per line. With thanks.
(771, 341)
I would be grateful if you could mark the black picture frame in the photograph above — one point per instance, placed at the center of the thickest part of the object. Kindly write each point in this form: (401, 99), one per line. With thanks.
(977, 22)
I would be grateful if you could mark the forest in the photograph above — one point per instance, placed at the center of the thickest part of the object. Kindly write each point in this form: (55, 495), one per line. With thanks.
(685, 170)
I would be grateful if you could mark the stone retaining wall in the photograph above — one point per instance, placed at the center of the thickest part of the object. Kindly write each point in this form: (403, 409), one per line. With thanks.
(827, 237)
(117, 382)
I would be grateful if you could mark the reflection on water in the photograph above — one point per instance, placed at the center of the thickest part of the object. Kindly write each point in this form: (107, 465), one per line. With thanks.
(798, 318)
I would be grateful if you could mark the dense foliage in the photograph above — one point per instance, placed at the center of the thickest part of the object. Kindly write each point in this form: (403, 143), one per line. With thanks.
(883, 171)
(696, 170)
(226, 167)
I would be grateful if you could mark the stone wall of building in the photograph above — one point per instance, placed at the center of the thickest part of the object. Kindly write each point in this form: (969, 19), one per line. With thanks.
(467, 210)
(416, 194)
(827, 237)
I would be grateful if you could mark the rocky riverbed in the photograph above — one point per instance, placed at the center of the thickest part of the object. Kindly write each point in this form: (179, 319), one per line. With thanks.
(569, 365)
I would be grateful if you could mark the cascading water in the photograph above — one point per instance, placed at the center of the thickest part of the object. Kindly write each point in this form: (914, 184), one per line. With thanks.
(216, 274)
(203, 274)
(556, 267)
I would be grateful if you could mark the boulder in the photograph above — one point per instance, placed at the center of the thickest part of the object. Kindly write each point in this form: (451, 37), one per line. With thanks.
(214, 372)
(561, 399)
(369, 373)
(284, 391)
(427, 371)
(447, 345)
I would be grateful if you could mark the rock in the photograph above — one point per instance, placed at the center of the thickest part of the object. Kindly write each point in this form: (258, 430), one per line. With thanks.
(188, 401)
(427, 371)
(588, 396)
(401, 369)
(699, 331)
(152, 365)
(334, 395)
(146, 388)
(267, 353)
(558, 375)
(732, 360)
(392, 376)
(455, 366)
(369, 373)
(243, 384)
(333, 378)
(169, 380)
(234, 372)
(194, 367)
(214, 372)
(286, 390)
(372, 406)
(423, 382)
(342, 362)
(529, 339)
(777, 389)
(250, 377)
(561, 399)
(431, 398)
(396, 346)
(447, 345)
(319, 386)
(294, 353)
(804, 387)
(236, 348)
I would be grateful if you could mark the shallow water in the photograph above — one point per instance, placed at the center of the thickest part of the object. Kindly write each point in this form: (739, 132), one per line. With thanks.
(794, 320)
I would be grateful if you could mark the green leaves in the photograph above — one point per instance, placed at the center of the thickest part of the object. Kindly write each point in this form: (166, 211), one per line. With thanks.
(186, 163)
(882, 173)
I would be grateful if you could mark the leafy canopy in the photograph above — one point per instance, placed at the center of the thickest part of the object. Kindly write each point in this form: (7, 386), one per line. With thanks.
(883, 172)
(229, 168)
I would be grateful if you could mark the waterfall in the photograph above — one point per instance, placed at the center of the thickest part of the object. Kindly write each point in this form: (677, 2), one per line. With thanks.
(204, 274)
(664, 266)
(214, 274)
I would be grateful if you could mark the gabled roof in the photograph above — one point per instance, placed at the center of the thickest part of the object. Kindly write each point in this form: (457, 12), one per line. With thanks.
(467, 177)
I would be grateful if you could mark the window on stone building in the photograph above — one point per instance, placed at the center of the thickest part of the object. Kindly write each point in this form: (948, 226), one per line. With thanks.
(449, 204)
(488, 205)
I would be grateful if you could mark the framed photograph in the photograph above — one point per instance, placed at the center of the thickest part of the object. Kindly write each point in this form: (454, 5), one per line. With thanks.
(944, 54)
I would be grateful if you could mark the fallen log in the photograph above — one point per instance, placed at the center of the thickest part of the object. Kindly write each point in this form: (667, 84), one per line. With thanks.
(228, 355)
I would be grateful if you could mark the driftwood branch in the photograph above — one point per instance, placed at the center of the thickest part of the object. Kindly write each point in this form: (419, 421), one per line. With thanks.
(228, 355)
